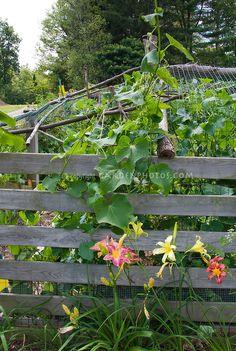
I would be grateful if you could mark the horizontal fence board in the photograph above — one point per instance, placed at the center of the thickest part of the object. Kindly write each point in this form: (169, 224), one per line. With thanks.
(183, 205)
(82, 273)
(195, 311)
(84, 165)
(59, 237)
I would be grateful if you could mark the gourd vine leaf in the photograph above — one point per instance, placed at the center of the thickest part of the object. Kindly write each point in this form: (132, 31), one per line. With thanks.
(133, 152)
(113, 174)
(77, 188)
(9, 139)
(165, 75)
(50, 182)
(179, 46)
(134, 96)
(151, 61)
(85, 252)
(29, 218)
(161, 175)
(11, 122)
(152, 17)
(116, 210)
(94, 193)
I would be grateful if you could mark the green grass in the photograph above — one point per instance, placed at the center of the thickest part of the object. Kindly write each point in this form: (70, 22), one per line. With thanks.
(11, 108)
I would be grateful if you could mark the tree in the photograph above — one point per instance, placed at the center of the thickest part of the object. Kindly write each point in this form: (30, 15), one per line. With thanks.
(123, 17)
(9, 47)
(117, 58)
(218, 33)
(73, 33)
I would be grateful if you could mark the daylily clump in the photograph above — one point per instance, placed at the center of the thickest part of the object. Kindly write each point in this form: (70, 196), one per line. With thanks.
(216, 269)
(168, 248)
(116, 252)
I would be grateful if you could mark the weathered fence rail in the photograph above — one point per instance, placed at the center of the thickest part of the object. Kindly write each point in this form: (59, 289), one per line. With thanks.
(84, 165)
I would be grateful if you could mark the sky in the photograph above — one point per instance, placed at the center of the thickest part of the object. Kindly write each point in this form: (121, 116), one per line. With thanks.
(26, 16)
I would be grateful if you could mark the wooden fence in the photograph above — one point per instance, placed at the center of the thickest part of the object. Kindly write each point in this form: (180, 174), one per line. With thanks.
(84, 165)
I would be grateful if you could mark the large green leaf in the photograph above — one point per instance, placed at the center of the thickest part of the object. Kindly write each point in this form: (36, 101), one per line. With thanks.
(150, 62)
(11, 122)
(94, 193)
(152, 17)
(115, 210)
(9, 139)
(76, 188)
(213, 189)
(29, 217)
(179, 46)
(133, 152)
(165, 75)
(84, 250)
(161, 175)
(134, 96)
(50, 182)
(113, 174)
(212, 125)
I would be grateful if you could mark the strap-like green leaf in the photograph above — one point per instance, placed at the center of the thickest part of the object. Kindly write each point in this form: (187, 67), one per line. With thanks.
(11, 122)
(179, 46)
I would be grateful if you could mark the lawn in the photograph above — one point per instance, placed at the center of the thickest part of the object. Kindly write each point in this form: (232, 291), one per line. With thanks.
(11, 108)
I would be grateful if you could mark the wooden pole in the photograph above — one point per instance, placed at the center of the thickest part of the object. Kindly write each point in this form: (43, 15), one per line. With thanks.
(33, 147)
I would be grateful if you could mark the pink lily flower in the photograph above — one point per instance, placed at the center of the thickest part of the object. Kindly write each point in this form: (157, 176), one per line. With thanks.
(216, 269)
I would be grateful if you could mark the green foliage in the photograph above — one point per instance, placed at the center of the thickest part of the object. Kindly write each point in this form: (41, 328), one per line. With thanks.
(7, 119)
(77, 188)
(165, 75)
(116, 210)
(113, 174)
(50, 182)
(6, 138)
(27, 86)
(161, 175)
(179, 46)
(85, 252)
(29, 218)
(205, 122)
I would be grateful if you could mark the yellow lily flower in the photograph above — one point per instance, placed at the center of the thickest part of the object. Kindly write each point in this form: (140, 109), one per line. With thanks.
(199, 247)
(66, 309)
(73, 315)
(3, 284)
(151, 283)
(105, 281)
(120, 242)
(159, 274)
(167, 249)
(137, 228)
